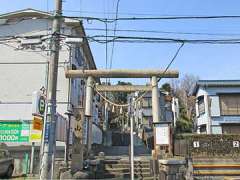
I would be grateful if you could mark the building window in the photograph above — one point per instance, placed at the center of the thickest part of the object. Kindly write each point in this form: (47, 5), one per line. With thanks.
(201, 105)
(147, 103)
(74, 67)
(78, 56)
(230, 104)
(231, 128)
(203, 129)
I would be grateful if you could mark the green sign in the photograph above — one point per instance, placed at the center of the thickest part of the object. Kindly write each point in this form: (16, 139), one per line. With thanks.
(14, 131)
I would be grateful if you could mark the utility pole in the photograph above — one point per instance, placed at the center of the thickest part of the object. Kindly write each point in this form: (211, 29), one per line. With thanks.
(132, 138)
(49, 141)
(131, 148)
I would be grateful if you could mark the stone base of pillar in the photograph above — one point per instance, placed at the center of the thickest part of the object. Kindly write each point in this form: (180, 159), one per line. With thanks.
(172, 169)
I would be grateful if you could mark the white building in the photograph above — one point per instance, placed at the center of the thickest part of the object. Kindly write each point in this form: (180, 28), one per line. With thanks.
(168, 108)
(217, 106)
(24, 48)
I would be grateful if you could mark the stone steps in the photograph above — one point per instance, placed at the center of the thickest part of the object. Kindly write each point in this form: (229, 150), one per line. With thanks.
(216, 167)
(126, 166)
(127, 175)
(124, 170)
(121, 169)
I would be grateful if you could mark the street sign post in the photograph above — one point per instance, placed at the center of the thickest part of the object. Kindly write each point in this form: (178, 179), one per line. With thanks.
(37, 123)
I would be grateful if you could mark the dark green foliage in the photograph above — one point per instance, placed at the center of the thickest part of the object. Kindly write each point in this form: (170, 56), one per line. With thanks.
(166, 87)
(121, 97)
(183, 125)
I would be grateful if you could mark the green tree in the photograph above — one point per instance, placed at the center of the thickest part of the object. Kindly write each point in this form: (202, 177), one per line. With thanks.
(182, 88)
(184, 124)
(121, 97)
(166, 87)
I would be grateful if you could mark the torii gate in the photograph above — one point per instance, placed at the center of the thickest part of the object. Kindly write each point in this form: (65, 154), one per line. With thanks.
(123, 73)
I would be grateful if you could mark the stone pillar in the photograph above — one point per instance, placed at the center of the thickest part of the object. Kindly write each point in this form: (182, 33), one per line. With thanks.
(172, 169)
(77, 145)
(89, 111)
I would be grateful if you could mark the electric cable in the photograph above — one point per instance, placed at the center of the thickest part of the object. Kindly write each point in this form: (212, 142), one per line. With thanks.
(143, 39)
(114, 34)
(174, 57)
(145, 92)
(164, 32)
(111, 20)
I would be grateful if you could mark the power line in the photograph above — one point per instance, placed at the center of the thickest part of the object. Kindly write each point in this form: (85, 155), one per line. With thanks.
(111, 20)
(114, 34)
(177, 17)
(131, 14)
(98, 38)
(174, 57)
(22, 63)
(26, 63)
(164, 32)
(122, 13)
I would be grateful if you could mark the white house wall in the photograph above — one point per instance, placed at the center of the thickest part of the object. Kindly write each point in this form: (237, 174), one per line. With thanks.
(202, 119)
(15, 112)
(216, 118)
(215, 106)
(18, 81)
(22, 27)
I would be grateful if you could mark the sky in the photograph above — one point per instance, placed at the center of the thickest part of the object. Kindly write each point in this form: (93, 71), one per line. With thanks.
(202, 60)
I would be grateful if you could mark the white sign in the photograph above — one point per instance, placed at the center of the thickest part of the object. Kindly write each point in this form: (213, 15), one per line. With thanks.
(236, 144)
(38, 103)
(162, 134)
(196, 144)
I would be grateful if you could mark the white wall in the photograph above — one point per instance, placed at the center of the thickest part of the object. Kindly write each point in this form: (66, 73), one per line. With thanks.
(19, 81)
(202, 119)
(216, 118)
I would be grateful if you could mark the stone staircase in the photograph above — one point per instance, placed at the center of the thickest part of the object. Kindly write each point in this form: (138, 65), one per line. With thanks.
(219, 168)
(120, 169)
